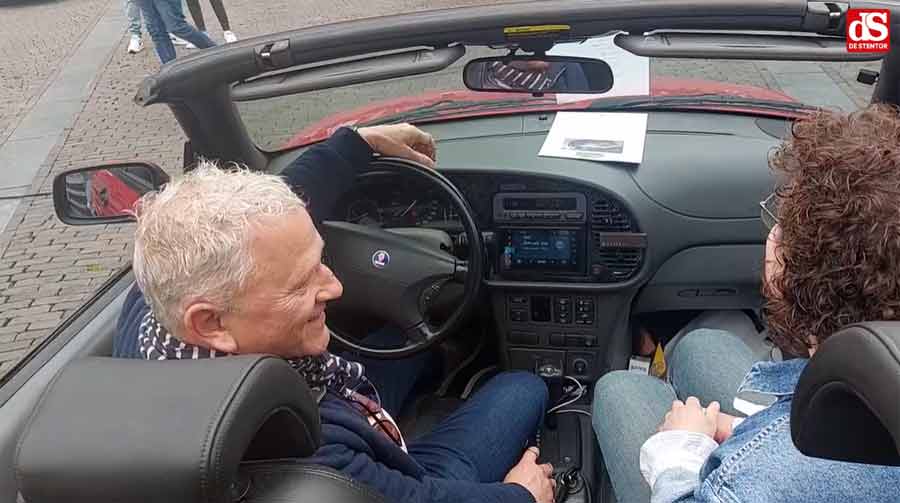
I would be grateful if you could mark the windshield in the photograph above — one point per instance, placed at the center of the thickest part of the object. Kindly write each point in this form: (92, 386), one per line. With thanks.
(287, 121)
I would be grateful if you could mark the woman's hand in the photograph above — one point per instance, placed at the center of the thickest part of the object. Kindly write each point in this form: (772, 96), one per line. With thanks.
(536, 479)
(690, 416)
(401, 140)
(724, 428)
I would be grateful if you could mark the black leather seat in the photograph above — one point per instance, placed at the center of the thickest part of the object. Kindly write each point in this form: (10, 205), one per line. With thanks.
(847, 403)
(178, 431)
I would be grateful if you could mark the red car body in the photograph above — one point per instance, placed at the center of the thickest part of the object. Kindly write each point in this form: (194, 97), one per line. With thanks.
(523, 103)
(111, 195)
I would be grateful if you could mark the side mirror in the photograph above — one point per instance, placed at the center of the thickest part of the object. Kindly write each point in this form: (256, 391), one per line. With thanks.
(538, 74)
(104, 194)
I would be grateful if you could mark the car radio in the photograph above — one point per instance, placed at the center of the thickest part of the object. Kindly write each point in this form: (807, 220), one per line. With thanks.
(542, 233)
(566, 208)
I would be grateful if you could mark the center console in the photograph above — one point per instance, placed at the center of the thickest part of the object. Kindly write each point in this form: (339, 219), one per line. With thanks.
(574, 240)
(557, 257)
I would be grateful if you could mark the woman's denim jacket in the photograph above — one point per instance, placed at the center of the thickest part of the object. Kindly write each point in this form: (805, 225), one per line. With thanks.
(759, 462)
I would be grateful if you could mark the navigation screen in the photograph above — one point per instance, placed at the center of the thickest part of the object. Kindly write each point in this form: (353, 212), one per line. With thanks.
(541, 249)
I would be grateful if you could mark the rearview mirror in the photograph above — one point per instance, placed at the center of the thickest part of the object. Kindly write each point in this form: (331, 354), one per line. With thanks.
(538, 74)
(104, 194)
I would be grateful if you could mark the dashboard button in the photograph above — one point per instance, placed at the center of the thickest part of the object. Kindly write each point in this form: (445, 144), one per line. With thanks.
(527, 338)
(517, 315)
(575, 340)
(580, 367)
(557, 340)
(518, 299)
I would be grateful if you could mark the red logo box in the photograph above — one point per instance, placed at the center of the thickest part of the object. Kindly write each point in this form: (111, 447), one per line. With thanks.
(868, 30)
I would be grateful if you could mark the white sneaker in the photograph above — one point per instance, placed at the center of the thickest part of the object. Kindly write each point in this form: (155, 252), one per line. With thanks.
(230, 37)
(135, 45)
(178, 41)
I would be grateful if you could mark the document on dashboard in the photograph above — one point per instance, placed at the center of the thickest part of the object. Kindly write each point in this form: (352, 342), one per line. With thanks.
(597, 136)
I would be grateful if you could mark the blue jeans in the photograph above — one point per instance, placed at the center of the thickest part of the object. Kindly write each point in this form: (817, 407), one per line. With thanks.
(629, 407)
(164, 17)
(483, 439)
(133, 12)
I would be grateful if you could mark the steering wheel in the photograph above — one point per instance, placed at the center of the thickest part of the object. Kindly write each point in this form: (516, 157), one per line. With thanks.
(396, 278)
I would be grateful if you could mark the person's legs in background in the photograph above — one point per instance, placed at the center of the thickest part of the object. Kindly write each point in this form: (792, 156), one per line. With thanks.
(486, 436)
(196, 14)
(222, 15)
(173, 15)
(133, 12)
(156, 27)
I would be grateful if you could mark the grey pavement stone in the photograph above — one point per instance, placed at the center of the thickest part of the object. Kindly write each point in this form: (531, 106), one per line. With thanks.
(44, 325)
(10, 306)
(13, 328)
(32, 335)
(24, 313)
(9, 355)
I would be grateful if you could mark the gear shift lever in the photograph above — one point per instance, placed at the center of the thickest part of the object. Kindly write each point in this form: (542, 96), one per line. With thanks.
(552, 376)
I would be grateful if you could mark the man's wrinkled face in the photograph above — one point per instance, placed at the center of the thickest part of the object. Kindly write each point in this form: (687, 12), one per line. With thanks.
(282, 309)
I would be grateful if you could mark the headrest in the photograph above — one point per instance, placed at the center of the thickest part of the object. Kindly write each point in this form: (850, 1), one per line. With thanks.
(153, 431)
(845, 405)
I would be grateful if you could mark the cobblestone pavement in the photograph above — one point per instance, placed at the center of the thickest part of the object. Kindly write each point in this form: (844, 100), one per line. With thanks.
(35, 37)
(48, 269)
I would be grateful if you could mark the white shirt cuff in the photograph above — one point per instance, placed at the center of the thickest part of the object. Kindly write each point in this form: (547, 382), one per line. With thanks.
(686, 450)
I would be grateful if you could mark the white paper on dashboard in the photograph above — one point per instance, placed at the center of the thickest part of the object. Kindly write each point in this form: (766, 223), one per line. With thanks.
(631, 73)
(597, 136)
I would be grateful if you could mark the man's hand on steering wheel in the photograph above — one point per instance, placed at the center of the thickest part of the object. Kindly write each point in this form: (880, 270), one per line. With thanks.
(401, 140)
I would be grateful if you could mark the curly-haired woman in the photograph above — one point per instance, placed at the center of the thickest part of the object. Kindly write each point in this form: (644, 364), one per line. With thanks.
(832, 259)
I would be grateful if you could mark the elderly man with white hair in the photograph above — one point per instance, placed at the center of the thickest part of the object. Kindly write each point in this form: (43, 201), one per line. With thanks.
(231, 262)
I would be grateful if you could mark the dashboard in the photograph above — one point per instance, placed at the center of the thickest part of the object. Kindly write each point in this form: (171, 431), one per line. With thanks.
(577, 249)
(535, 228)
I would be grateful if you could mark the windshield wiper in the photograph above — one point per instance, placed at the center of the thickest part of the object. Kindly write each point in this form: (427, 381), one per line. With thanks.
(674, 102)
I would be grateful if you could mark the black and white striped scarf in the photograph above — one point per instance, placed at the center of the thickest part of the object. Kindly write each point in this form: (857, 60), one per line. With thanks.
(325, 372)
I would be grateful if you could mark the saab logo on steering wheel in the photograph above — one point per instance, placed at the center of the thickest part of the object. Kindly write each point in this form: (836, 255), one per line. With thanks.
(381, 259)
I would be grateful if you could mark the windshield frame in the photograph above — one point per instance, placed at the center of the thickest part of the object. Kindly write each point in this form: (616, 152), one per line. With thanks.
(215, 129)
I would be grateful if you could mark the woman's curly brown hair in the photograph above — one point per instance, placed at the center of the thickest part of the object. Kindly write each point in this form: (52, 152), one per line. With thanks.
(839, 212)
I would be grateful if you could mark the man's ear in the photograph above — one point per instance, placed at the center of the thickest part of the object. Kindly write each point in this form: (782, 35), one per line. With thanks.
(203, 326)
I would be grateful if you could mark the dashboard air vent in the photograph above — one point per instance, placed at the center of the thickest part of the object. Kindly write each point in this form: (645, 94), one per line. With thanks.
(620, 264)
(607, 217)
(618, 247)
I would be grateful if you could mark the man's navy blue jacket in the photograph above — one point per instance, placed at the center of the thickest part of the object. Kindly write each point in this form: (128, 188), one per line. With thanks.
(349, 443)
